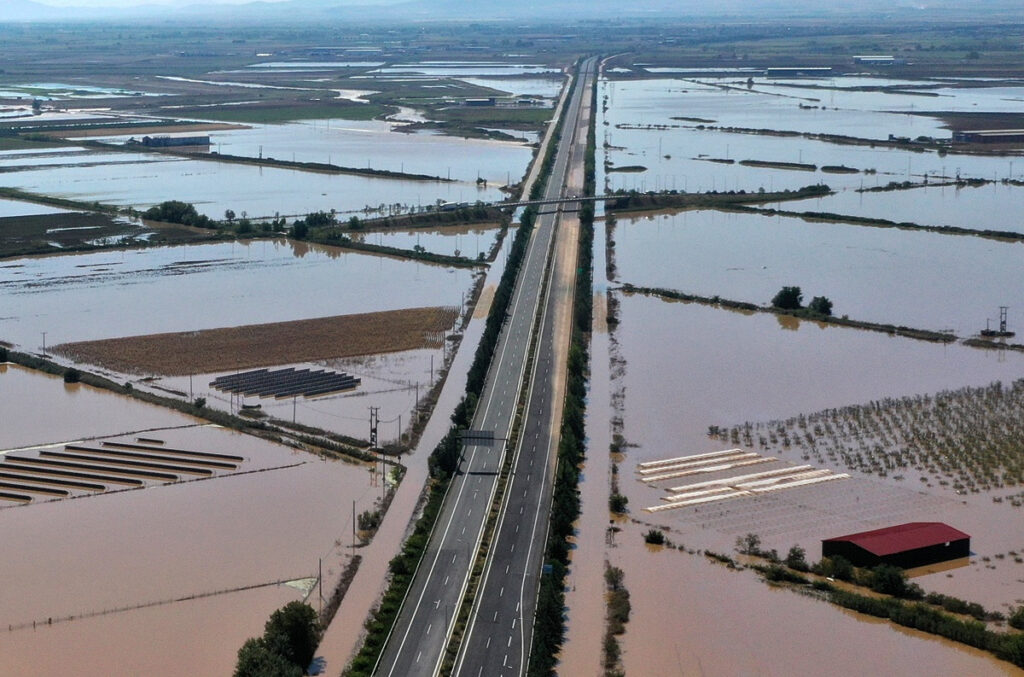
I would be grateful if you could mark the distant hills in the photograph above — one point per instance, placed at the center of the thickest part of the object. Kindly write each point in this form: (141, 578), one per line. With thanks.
(482, 10)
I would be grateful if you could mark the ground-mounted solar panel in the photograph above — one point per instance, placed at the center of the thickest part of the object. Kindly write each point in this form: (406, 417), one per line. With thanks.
(288, 382)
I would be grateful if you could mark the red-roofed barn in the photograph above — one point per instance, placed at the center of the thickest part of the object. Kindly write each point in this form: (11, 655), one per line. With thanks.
(906, 546)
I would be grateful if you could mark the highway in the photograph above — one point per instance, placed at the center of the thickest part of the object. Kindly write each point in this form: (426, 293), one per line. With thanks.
(421, 633)
(499, 633)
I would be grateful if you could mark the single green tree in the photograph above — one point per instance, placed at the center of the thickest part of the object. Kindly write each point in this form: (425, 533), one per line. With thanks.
(749, 544)
(256, 659)
(796, 558)
(294, 630)
(788, 298)
(820, 305)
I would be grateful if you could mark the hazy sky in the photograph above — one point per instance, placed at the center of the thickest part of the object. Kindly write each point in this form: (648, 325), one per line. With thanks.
(134, 3)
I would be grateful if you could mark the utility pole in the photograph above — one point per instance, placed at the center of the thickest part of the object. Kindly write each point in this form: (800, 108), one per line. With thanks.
(374, 419)
(44, 344)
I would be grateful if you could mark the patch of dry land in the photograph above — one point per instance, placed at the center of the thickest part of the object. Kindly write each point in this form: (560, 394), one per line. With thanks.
(263, 345)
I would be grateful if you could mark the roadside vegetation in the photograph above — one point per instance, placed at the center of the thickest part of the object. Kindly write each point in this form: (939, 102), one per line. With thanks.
(549, 622)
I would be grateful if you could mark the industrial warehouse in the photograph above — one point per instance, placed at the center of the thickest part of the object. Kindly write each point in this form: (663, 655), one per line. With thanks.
(910, 545)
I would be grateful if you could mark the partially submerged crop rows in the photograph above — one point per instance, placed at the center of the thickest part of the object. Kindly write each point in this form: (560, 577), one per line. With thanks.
(971, 439)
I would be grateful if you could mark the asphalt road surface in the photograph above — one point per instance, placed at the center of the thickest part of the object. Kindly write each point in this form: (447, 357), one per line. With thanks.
(418, 641)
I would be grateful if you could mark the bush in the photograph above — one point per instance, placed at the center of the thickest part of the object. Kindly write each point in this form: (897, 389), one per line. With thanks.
(888, 580)
(1017, 618)
(617, 503)
(778, 573)
(655, 537)
(835, 567)
(72, 375)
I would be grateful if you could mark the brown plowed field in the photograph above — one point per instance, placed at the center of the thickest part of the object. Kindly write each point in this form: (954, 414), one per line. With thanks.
(264, 345)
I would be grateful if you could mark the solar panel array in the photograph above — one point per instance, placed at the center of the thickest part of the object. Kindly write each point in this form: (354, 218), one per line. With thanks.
(82, 469)
(288, 382)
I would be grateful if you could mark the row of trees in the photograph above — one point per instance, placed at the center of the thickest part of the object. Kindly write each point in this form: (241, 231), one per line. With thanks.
(792, 298)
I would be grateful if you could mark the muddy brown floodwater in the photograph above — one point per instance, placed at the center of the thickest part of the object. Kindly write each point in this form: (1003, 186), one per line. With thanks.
(693, 617)
(688, 367)
(230, 540)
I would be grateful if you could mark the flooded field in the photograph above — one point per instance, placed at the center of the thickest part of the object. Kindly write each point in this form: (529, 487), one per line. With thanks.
(743, 368)
(968, 207)
(189, 539)
(378, 144)
(548, 87)
(670, 127)
(112, 294)
(142, 180)
(750, 257)
(463, 68)
(18, 208)
(469, 241)
(691, 616)
(676, 369)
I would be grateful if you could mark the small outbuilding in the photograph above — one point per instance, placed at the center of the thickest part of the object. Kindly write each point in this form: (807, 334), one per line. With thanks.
(905, 546)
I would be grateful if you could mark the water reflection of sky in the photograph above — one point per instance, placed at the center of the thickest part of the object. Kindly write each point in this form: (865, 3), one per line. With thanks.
(673, 155)
(131, 292)
(876, 274)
